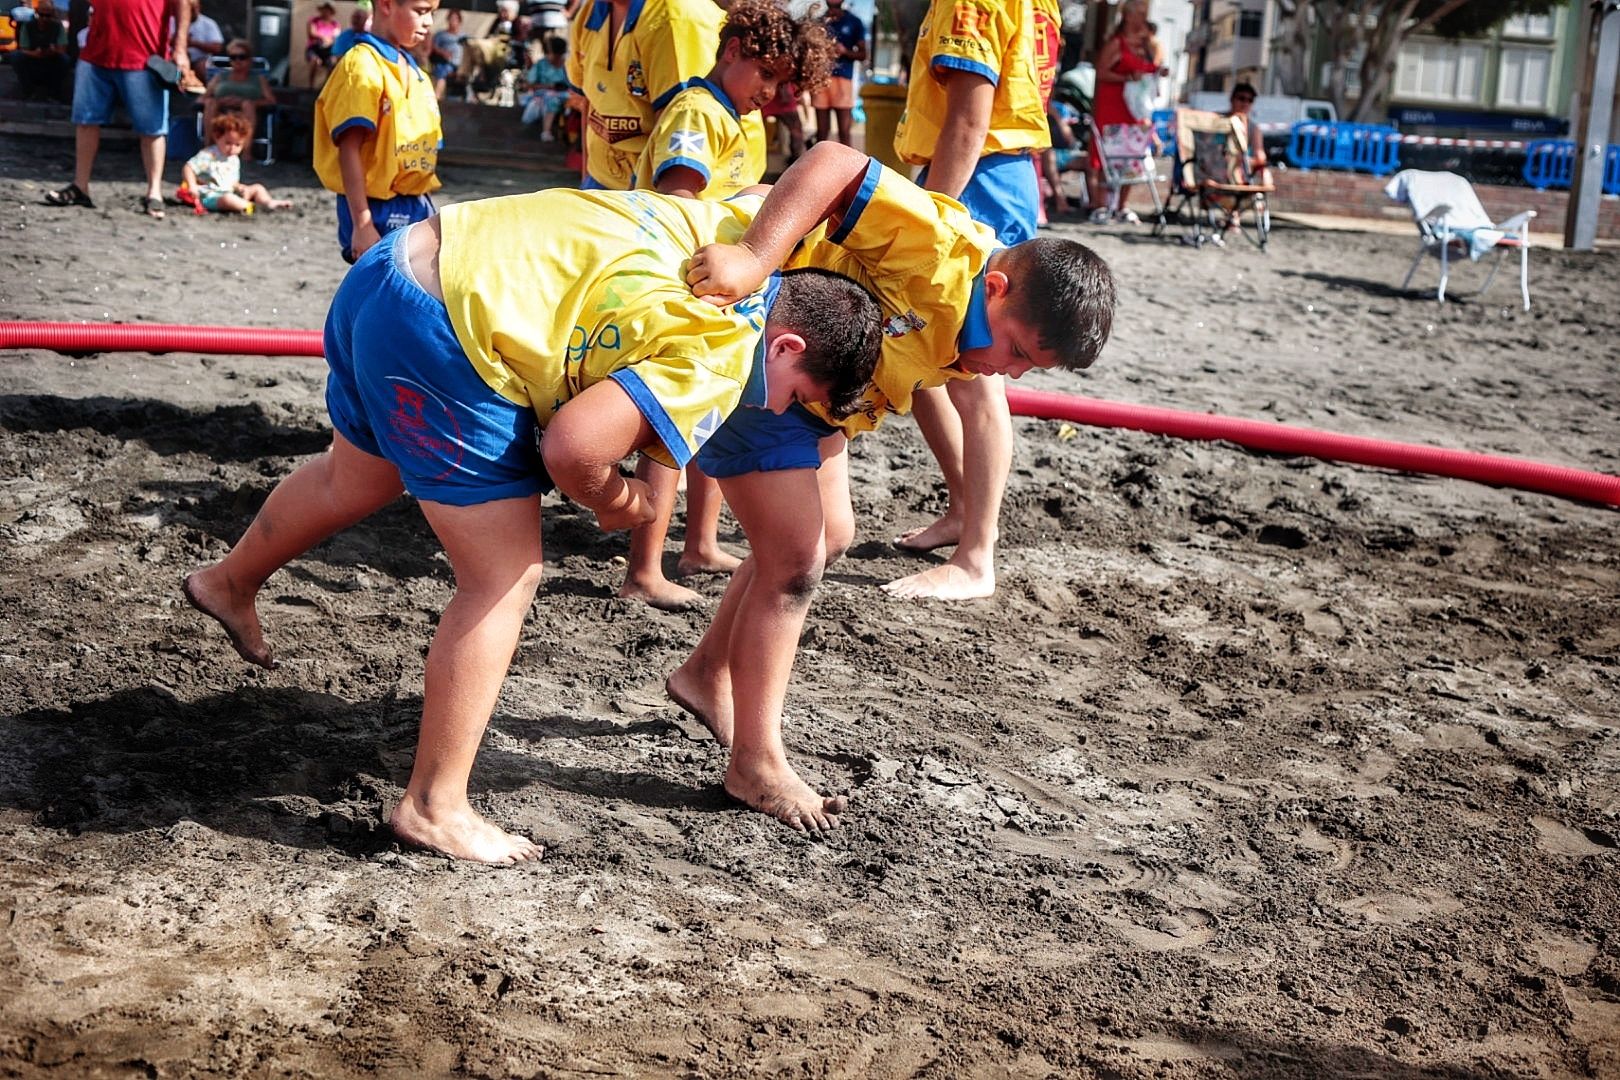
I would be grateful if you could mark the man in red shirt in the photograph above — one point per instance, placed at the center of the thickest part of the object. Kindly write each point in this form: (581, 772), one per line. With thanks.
(124, 34)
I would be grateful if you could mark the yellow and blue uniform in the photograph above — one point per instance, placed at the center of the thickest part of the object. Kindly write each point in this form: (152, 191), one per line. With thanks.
(627, 79)
(379, 88)
(701, 130)
(923, 257)
(997, 41)
(545, 295)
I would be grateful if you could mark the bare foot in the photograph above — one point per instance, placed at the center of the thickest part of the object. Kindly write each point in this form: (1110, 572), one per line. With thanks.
(460, 833)
(662, 594)
(707, 562)
(944, 532)
(706, 704)
(209, 591)
(280, 204)
(779, 792)
(944, 582)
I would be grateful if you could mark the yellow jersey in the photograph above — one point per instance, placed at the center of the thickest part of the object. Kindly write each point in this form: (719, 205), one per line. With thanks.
(554, 291)
(995, 39)
(701, 129)
(923, 257)
(380, 88)
(627, 79)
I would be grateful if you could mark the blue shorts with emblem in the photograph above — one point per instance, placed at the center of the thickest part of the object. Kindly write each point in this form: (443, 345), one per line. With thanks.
(1005, 194)
(758, 440)
(401, 388)
(387, 214)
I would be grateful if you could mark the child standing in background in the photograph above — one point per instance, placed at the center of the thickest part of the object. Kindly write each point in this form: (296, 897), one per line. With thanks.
(377, 131)
(214, 173)
(709, 143)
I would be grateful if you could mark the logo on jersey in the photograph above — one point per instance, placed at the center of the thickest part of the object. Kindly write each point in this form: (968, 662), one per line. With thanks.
(635, 79)
(901, 325)
(687, 142)
(704, 429)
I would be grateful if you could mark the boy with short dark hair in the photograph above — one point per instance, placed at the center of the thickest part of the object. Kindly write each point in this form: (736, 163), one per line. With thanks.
(377, 132)
(956, 305)
(709, 143)
(451, 347)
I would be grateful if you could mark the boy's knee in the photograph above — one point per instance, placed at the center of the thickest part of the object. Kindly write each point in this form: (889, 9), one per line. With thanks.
(793, 576)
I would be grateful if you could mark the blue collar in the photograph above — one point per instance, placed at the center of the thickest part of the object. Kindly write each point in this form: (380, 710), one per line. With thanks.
(757, 308)
(390, 53)
(714, 89)
(975, 332)
(599, 15)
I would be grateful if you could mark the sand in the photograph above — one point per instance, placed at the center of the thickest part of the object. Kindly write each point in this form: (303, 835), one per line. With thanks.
(1254, 766)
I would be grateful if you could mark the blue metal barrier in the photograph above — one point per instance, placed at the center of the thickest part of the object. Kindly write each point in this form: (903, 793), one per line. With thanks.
(1372, 148)
(1550, 163)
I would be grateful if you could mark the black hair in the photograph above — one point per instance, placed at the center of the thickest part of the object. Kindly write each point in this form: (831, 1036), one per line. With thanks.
(1063, 291)
(1244, 88)
(842, 330)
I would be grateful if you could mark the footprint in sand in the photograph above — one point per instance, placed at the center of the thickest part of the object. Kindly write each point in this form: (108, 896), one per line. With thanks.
(1560, 839)
(1336, 854)
(1164, 931)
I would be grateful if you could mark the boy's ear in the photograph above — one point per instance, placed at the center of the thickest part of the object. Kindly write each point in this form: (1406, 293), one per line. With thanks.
(783, 345)
(732, 52)
(995, 283)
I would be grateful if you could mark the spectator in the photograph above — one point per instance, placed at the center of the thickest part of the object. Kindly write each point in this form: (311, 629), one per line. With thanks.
(359, 23)
(112, 71)
(547, 89)
(320, 34)
(784, 109)
(214, 173)
(837, 98)
(1129, 55)
(204, 40)
(447, 50)
(238, 90)
(42, 60)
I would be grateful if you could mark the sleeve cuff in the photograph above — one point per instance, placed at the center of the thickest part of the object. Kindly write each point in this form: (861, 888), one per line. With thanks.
(684, 162)
(657, 418)
(959, 63)
(354, 122)
(857, 206)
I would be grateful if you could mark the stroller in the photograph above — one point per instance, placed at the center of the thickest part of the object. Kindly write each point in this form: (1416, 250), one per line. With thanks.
(1214, 185)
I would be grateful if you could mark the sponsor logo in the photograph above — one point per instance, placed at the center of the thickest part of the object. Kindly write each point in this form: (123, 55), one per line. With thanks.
(424, 427)
(615, 128)
(635, 79)
(901, 325)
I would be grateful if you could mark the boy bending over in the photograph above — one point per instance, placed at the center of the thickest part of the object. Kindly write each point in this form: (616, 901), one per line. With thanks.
(451, 347)
(955, 306)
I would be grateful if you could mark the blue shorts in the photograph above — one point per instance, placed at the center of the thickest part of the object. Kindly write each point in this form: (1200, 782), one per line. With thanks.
(443, 69)
(758, 440)
(97, 89)
(386, 214)
(400, 387)
(1005, 194)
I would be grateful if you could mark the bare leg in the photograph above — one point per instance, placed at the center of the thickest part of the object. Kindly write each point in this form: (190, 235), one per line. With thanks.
(788, 558)
(942, 429)
(324, 495)
(701, 552)
(495, 551)
(86, 141)
(234, 203)
(846, 121)
(986, 426)
(644, 578)
(823, 124)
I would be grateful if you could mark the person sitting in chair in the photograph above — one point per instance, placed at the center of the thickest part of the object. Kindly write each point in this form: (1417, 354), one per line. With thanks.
(239, 90)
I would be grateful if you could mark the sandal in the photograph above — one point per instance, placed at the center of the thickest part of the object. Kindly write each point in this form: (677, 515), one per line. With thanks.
(153, 208)
(72, 195)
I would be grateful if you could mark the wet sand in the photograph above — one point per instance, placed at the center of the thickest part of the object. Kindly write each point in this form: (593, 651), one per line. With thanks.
(1254, 766)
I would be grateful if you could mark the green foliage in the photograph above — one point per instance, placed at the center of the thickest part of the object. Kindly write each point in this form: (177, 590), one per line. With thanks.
(1480, 16)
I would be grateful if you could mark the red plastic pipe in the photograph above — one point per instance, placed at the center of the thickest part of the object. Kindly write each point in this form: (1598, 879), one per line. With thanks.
(1256, 434)
(1282, 439)
(157, 337)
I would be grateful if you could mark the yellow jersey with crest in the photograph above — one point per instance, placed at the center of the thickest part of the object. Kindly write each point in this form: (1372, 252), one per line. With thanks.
(923, 257)
(627, 78)
(995, 39)
(554, 291)
(701, 130)
(380, 89)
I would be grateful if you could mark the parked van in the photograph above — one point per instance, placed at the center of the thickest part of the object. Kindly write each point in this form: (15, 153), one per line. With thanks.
(1268, 108)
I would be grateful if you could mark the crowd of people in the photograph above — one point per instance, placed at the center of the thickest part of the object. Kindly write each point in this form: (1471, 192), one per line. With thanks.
(735, 337)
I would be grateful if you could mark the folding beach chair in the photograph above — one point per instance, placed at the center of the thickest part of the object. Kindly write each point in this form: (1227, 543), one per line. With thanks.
(1127, 155)
(1213, 185)
(1450, 220)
